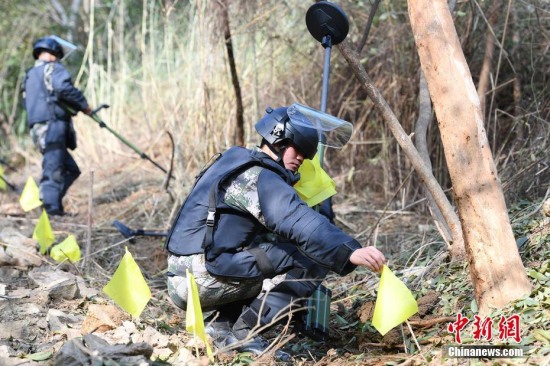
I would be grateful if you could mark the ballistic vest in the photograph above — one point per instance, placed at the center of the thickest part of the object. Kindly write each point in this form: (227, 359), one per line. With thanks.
(225, 228)
(42, 105)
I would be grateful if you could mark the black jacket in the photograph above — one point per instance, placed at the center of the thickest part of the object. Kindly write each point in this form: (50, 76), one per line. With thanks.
(43, 106)
(284, 214)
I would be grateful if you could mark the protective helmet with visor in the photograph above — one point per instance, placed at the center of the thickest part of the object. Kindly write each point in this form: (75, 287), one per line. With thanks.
(55, 45)
(304, 127)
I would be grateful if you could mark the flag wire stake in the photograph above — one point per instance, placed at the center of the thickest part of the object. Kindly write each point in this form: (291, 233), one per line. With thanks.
(415, 341)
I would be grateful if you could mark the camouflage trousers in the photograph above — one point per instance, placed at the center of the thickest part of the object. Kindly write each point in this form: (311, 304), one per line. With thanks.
(38, 134)
(213, 291)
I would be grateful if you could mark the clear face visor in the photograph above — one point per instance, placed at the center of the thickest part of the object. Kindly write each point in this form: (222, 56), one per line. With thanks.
(333, 132)
(67, 46)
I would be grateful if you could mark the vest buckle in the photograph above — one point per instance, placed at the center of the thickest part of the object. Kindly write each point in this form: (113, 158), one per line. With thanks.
(211, 218)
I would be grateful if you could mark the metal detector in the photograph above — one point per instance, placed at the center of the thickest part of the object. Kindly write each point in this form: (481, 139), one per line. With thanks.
(329, 25)
(130, 233)
(102, 124)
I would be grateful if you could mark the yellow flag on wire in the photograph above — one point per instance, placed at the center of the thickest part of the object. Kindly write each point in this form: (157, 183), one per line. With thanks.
(43, 232)
(2, 182)
(314, 185)
(30, 197)
(394, 304)
(194, 322)
(67, 249)
(127, 287)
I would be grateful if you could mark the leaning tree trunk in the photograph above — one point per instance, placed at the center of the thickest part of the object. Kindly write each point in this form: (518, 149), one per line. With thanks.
(496, 269)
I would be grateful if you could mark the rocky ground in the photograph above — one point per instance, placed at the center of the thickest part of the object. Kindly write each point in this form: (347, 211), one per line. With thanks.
(52, 313)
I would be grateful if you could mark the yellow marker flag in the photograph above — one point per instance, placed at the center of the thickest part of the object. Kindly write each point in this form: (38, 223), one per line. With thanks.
(67, 249)
(127, 287)
(194, 322)
(314, 185)
(394, 304)
(30, 197)
(43, 232)
(2, 182)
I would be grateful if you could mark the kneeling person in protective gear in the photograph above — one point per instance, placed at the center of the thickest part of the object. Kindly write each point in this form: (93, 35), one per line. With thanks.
(48, 89)
(256, 249)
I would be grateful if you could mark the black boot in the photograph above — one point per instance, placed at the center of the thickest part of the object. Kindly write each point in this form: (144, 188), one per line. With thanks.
(255, 343)
(220, 331)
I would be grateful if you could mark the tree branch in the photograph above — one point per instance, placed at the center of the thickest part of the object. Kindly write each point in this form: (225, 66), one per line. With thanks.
(367, 27)
(426, 176)
(420, 132)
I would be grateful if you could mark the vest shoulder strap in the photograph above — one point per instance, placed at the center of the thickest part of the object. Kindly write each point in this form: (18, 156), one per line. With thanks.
(212, 217)
(48, 71)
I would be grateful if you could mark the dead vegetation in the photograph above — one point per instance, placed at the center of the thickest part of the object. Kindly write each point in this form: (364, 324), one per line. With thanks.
(379, 200)
(45, 305)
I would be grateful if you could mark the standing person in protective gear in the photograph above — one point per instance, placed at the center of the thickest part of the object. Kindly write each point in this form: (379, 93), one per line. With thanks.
(48, 91)
(255, 248)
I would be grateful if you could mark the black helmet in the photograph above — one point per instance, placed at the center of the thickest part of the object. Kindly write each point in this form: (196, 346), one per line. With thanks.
(276, 126)
(47, 44)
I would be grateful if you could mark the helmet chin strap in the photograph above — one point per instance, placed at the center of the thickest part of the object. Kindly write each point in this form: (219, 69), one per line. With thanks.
(279, 153)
